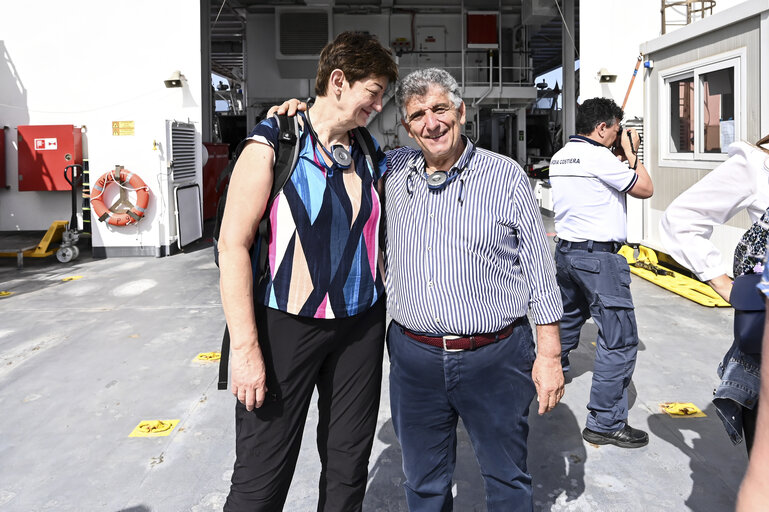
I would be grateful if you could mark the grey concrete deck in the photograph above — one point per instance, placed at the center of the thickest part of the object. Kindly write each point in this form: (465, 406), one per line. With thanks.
(82, 362)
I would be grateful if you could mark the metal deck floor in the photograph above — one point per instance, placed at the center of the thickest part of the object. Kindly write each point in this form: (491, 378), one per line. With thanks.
(83, 361)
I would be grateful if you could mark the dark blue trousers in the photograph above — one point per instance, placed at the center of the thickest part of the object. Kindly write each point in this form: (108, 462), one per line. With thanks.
(597, 284)
(490, 388)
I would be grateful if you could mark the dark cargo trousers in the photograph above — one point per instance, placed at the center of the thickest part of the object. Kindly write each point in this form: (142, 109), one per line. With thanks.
(596, 283)
(343, 358)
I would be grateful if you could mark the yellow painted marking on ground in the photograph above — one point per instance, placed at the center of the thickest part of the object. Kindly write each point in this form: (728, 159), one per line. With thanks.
(154, 428)
(6, 294)
(682, 410)
(208, 356)
(72, 278)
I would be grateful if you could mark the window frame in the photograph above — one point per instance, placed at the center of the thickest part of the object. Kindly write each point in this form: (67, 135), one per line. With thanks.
(734, 59)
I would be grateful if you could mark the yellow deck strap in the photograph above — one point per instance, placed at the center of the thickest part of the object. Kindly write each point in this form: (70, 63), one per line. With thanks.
(647, 267)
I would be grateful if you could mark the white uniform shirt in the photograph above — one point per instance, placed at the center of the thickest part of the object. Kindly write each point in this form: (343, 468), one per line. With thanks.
(740, 183)
(589, 184)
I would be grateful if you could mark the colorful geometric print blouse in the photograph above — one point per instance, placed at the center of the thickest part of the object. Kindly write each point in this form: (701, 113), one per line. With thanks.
(324, 242)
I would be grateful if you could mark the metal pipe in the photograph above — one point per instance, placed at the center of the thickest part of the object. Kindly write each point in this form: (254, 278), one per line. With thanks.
(499, 42)
(491, 82)
(464, 28)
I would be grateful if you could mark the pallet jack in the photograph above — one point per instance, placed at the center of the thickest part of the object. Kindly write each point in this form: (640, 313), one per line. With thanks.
(19, 245)
(68, 250)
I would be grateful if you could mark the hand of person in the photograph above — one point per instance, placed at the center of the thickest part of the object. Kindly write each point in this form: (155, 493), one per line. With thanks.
(625, 141)
(249, 381)
(722, 285)
(547, 374)
(289, 107)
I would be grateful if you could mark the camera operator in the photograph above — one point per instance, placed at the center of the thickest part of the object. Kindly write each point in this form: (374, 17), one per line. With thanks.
(589, 186)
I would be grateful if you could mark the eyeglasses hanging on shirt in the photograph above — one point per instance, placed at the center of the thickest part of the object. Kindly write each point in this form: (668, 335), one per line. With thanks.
(439, 180)
(340, 156)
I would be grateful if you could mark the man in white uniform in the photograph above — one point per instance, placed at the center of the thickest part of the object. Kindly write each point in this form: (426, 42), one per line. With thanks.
(589, 186)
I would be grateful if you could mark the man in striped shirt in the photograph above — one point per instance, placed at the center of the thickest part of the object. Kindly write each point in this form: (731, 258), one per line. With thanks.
(467, 259)
(589, 188)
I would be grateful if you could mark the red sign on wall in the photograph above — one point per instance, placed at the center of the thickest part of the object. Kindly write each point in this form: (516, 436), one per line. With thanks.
(46, 144)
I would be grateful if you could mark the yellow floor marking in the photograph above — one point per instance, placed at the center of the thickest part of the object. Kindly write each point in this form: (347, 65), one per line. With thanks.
(72, 278)
(208, 356)
(6, 294)
(154, 428)
(682, 410)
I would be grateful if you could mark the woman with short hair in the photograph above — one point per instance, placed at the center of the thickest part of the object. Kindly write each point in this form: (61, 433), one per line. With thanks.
(317, 315)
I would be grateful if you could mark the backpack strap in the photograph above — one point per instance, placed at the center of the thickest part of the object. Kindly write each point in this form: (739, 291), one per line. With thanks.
(224, 359)
(286, 156)
(366, 142)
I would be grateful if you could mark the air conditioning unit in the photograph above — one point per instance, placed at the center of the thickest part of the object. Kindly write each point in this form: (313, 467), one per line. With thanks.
(537, 12)
(301, 33)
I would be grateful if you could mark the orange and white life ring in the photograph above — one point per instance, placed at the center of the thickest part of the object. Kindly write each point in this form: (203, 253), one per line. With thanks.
(123, 212)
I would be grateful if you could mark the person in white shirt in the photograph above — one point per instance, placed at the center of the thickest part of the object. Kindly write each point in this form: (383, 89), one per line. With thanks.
(589, 185)
(740, 183)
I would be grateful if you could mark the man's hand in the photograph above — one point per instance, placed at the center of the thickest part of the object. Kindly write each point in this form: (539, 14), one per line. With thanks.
(289, 107)
(249, 382)
(547, 372)
(548, 379)
(625, 141)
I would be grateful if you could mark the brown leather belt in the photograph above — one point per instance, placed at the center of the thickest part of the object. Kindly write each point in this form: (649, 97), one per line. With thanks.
(452, 342)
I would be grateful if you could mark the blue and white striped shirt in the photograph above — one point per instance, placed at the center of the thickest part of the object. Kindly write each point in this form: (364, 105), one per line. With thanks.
(471, 258)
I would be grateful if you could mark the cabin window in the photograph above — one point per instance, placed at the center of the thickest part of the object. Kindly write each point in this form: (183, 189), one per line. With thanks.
(700, 113)
(682, 115)
(717, 110)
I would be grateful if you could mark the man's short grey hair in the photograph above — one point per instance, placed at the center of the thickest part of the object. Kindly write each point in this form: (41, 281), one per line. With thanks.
(418, 83)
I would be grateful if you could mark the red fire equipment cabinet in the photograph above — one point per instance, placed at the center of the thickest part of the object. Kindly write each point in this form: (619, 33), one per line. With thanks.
(218, 158)
(44, 152)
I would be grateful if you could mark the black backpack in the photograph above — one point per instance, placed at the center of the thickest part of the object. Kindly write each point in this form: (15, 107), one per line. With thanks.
(286, 156)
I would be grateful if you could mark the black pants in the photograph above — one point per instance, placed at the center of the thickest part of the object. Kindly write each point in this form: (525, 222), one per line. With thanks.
(343, 358)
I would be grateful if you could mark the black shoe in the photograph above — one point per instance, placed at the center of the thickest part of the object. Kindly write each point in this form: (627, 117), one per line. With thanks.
(626, 437)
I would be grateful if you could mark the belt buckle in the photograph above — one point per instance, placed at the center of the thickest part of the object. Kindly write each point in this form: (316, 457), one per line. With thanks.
(451, 337)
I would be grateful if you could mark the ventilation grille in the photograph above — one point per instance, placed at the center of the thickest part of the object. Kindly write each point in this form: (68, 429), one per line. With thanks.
(182, 157)
(302, 33)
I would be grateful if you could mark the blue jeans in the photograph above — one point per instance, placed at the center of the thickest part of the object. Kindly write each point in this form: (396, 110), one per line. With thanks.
(597, 284)
(490, 388)
(737, 394)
